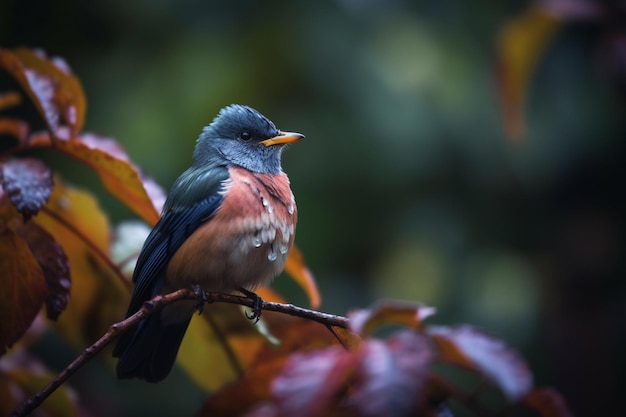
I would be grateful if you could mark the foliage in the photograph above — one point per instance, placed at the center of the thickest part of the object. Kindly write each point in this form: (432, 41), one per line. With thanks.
(385, 362)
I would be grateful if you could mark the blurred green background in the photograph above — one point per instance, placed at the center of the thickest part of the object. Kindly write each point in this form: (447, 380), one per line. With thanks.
(406, 184)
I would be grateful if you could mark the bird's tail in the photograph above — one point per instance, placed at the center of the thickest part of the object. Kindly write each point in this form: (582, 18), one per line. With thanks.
(150, 352)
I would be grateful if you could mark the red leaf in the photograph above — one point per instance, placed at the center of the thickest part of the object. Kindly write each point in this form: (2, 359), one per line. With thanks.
(365, 322)
(491, 357)
(23, 287)
(391, 375)
(28, 183)
(309, 382)
(548, 403)
(54, 264)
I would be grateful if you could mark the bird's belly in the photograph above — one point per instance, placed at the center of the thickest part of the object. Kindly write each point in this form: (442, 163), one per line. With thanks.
(242, 246)
(225, 262)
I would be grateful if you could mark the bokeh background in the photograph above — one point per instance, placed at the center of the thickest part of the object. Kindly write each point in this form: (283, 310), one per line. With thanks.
(407, 184)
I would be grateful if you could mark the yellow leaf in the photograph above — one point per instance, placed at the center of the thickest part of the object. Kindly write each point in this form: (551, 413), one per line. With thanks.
(98, 295)
(212, 359)
(520, 45)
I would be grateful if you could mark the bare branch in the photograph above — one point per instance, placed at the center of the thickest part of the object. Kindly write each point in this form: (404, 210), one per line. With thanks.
(150, 307)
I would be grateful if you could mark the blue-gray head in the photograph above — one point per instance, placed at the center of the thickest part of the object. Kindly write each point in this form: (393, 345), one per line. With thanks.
(242, 136)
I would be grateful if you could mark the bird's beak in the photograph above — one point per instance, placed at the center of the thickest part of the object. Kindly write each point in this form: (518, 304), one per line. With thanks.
(282, 138)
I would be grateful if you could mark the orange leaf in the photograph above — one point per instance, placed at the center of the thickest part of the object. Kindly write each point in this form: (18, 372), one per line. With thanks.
(468, 347)
(10, 99)
(55, 91)
(298, 270)
(365, 322)
(521, 42)
(548, 403)
(23, 287)
(118, 175)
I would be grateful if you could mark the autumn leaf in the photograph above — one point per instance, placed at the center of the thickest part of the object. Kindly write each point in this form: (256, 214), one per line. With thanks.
(23, 287)
(9, 99)
(100, 291)
(520, 45)
(54, 264)
(547, 402)
(263, 363)
(310, 382)
(297, 269)
(50, 84)
(391, 375)
(471, 348)
(367, 321)
(119, 176)
(28, 183)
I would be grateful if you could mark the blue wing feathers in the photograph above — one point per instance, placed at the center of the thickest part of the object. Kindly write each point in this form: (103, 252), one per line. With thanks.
(174, 227)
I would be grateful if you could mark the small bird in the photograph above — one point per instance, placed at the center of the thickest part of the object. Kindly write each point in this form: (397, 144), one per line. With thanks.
(227, 225)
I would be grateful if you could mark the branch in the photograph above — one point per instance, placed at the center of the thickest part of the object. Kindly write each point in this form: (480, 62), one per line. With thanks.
(149, 308)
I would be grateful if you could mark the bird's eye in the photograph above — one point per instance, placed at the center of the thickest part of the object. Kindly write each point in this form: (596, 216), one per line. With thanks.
(245, 136)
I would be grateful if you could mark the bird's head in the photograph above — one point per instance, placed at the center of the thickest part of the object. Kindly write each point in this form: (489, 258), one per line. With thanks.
(242, 136)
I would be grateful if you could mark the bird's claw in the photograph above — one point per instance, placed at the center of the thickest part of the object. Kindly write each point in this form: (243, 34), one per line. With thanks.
(200, 297)
(257, 305)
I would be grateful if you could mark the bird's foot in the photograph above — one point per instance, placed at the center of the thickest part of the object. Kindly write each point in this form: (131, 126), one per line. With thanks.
(201, 298)
(257, 305)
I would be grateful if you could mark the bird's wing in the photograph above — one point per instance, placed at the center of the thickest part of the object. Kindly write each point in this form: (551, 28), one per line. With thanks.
(174, 227)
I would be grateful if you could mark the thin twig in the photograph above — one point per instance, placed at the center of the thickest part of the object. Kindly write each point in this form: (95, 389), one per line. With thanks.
(150, 307)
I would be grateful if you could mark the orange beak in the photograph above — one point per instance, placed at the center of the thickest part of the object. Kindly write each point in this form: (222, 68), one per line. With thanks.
(282, 138)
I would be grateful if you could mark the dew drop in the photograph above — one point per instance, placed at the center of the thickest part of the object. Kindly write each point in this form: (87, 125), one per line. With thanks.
(272, 255)
(290, 209)
(256, 241)
(283, 249)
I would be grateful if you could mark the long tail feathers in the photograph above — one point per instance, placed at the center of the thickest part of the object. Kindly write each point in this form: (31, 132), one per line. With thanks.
(150, 352)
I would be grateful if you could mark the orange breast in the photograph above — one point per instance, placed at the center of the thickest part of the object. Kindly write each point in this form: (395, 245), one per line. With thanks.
(245, 244)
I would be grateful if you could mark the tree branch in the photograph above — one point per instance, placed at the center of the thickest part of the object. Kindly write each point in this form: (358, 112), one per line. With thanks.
(149, 308)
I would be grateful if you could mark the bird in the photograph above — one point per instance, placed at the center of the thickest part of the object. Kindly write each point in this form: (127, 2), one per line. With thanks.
(227, 225)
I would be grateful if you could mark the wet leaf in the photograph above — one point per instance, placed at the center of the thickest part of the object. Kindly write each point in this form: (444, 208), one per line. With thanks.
(23, 287)
(547, 402)
(309, 382)
(391, 375)
(469, 347)
(50, 84)
(262, 361)
(365, 322)
(28, 183)
(297, 269)
(54, 264)
(520, 45)
(120, 177)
